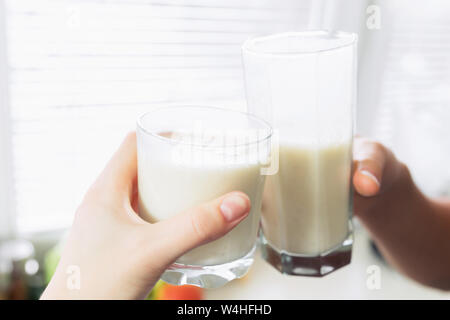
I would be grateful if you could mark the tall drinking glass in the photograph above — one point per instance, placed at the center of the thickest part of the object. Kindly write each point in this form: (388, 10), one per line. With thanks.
(304, 84)
(188, 155)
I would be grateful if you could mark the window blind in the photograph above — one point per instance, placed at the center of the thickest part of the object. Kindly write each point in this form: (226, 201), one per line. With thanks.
(82, 71)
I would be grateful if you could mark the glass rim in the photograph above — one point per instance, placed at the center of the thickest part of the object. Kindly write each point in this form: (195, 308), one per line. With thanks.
(351, 39)
(205, 107)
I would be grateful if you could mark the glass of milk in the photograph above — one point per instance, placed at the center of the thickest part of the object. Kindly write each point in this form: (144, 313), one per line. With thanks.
(304, 84)
(188, 155)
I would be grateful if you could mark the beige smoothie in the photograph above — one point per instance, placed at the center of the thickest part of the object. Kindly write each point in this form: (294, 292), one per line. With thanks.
(167, 187)
(306, 205)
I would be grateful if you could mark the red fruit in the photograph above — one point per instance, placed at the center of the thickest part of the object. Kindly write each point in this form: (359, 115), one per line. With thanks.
(186, 292)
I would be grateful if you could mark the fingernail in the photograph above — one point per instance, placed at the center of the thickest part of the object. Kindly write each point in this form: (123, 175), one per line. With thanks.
(371, 176)
(233, 207)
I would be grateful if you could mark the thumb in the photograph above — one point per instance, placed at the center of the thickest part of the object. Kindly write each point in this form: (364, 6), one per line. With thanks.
(370, 161)
(203, 224)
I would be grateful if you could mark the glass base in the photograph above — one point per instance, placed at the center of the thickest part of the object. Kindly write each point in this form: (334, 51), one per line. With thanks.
(208, 277)
(308, 265)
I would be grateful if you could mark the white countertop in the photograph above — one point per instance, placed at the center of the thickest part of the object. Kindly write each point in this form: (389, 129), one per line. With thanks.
(264, 282)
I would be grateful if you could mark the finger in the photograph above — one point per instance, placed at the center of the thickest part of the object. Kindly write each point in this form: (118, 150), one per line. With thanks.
(370, 159)
(203, 223)
(119, 175)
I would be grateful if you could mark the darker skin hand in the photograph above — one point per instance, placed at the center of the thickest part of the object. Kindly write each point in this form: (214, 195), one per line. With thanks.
(411, 230)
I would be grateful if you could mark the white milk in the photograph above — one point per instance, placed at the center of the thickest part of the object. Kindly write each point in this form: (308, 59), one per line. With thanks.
(167, 188)
(308, 199)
